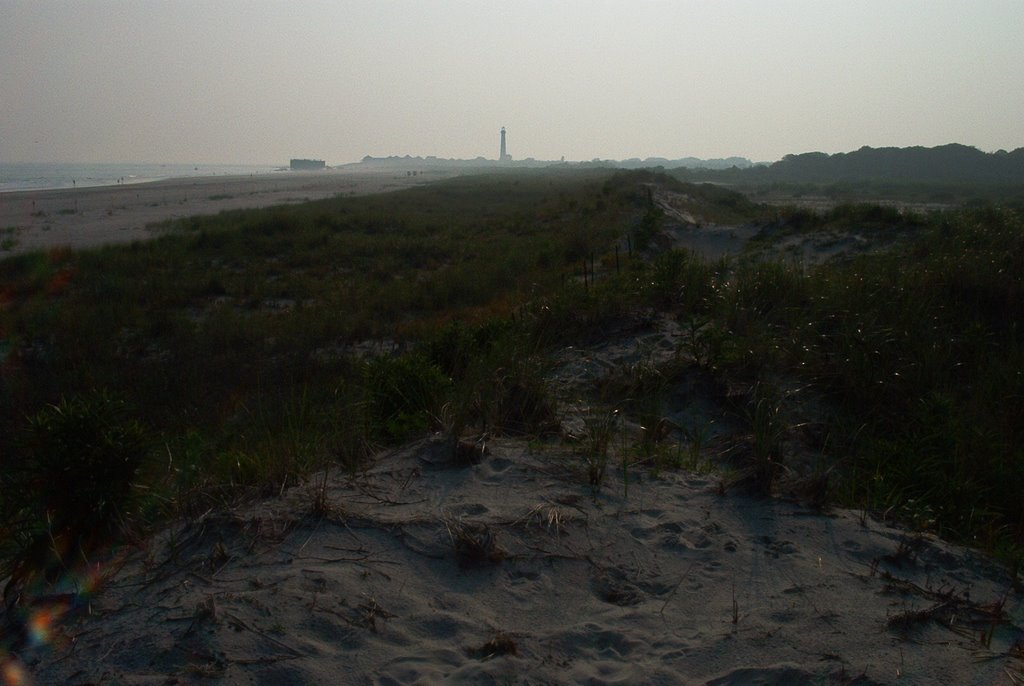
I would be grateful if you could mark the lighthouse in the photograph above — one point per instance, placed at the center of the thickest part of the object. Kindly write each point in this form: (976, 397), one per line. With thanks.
(504, 157)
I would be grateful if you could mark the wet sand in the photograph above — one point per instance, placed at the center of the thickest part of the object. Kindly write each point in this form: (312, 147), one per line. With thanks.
(88, 217)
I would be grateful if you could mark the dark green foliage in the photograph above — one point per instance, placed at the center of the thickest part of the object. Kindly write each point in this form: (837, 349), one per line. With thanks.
(403, 395)
(916, 354)
(455, 347)
(243, 338)
(678, 280)
(515, 398)
(71, 489)
(647, 227)
(83, 453)
(867, 216)
(240, 337)
(248, 297)
(765, 416)
(497, 378)
(919, 352)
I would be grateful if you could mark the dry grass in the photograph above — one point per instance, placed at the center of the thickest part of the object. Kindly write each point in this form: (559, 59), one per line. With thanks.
(501, 644)
(474, 544)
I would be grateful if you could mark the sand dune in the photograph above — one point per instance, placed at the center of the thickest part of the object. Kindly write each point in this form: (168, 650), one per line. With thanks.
(511, 571)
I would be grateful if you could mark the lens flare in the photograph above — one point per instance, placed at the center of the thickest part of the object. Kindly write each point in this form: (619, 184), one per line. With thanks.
(37, 616)
(41, 624)
(13, 673)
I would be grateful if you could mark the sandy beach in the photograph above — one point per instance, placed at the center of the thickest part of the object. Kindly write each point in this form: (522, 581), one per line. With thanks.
(87, 217)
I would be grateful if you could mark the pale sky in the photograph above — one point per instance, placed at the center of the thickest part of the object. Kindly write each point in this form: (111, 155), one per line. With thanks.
(260, 81)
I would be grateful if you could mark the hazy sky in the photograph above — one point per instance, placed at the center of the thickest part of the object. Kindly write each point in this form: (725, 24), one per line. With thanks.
(259, 81)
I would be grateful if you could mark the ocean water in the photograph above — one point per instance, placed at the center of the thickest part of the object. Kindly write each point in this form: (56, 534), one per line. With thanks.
(23, 177)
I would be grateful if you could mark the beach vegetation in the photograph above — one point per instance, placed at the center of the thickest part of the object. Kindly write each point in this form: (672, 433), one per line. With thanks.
(74, 486)
(601, 425)
(260, 346)
(474, 545)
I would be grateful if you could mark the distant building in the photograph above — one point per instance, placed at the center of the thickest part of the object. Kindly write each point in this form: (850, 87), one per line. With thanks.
(504, 156)
(305, 165)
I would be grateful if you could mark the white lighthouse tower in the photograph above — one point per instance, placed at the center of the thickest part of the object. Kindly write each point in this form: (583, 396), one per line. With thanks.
(504, 157)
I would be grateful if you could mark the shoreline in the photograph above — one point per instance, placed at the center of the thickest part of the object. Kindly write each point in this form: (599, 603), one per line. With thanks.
(101, 215)
(40, 176)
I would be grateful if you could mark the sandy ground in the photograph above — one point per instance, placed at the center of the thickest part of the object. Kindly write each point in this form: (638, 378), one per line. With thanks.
(706, 239)
(713, 241)
(510, 571)
(86, 217)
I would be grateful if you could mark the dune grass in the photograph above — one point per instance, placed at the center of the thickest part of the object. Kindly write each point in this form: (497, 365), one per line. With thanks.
(252, 347)
(917, 353)
(256, 345)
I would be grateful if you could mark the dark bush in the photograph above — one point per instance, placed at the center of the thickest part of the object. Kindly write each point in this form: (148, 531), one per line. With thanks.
(82, 456)
(70, 491)
(404, 395)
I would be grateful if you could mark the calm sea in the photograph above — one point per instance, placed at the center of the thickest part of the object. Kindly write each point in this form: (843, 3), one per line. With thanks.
(23, 177)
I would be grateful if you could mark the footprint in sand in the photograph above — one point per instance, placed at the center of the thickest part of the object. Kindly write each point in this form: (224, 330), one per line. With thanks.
(469, 510)
(614, 590)
(776, 549)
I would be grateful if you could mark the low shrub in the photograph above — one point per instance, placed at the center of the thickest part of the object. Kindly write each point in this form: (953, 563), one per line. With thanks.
(71, 491)
(82, 455)
(404, 395)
